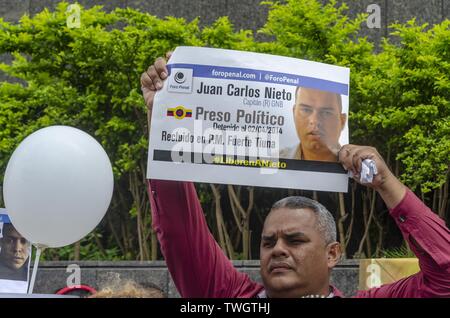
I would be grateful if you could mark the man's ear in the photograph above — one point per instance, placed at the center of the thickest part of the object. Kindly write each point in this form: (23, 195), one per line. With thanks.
(334, 254)
(343, 120)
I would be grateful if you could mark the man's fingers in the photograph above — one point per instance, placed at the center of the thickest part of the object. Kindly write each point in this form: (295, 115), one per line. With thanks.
(357, 158)
(148, 90)
(154, 77)
(351, 157)
(160, 68)
(362, 153)
(345, 157)
(146, 82)
(152, 81)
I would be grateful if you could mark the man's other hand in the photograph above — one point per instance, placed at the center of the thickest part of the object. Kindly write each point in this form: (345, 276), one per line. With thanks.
(384, 182)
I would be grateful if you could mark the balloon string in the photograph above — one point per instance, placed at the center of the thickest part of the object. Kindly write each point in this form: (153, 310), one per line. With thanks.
(39, 249)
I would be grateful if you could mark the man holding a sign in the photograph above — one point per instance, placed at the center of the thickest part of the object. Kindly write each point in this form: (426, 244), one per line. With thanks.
(298, 245)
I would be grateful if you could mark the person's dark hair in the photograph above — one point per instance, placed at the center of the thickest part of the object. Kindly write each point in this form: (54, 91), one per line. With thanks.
(325, 220)
(7, 226)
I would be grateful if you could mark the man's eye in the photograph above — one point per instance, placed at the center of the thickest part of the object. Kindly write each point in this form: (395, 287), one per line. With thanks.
(267, 244)
(306, 110)
(327, 113)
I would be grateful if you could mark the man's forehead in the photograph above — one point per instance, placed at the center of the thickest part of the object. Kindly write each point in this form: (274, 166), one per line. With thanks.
(290, 231)
(311, 96)
(290, 221)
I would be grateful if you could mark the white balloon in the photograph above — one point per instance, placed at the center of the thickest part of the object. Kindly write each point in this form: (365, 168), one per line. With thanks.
(57, 186)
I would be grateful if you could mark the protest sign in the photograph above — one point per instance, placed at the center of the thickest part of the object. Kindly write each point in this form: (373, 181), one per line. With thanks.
(246, 118)
(15, 253)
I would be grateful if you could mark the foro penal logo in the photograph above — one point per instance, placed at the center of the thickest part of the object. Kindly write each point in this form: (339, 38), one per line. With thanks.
(179, 112)
(180, 80)
(179, 77)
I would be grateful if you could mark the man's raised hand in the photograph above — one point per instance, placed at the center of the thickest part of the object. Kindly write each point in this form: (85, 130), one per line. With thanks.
(152, 81)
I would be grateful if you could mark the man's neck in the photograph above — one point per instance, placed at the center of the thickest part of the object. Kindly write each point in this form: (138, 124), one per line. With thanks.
(325, 155)
(326, 292)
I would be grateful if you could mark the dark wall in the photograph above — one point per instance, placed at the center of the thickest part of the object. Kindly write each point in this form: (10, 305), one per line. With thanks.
(248, 14)
(245, 14)
(52, 276)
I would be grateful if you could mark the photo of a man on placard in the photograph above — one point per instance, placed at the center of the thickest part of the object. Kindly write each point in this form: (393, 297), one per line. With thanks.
(15, 253)
(319, 121)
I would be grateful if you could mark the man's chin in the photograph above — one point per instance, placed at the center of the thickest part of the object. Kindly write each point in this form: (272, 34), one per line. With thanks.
(319, 147)
(281, 281)
(16, 265)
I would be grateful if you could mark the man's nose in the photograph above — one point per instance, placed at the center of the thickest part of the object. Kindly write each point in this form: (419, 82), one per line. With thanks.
(18, 246)
(313, 119)
(279, 249)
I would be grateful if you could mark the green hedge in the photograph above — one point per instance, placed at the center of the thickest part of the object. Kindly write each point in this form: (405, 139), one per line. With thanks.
(88, 77)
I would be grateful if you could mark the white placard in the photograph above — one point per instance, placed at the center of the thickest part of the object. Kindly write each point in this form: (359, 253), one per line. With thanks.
(246, 118)
(15, 252)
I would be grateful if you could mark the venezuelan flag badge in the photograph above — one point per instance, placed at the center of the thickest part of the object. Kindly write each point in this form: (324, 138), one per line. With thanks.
(179, 112)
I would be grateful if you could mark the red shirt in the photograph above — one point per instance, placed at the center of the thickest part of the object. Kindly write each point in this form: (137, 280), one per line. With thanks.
(199, 268)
